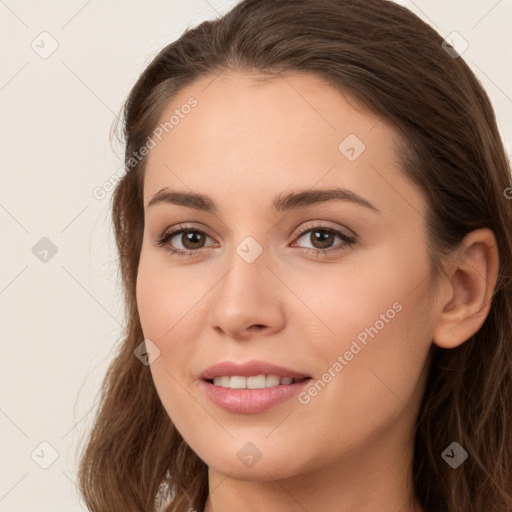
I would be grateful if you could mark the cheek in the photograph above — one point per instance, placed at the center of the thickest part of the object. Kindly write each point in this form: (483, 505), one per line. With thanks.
(165, 296)
(152, 299)
(367, 290)
(162, 305)
(172, 307)
(376, 339)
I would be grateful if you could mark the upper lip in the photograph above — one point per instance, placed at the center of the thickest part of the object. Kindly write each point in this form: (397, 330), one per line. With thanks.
(251, 368)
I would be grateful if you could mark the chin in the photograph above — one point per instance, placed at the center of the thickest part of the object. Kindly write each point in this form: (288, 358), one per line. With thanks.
(249, 464)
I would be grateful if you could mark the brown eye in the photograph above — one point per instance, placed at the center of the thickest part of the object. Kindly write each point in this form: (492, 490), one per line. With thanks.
(190, 239)
(323, 238)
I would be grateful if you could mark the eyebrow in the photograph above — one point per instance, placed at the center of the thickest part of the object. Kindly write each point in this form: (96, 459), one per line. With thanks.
(282, 203)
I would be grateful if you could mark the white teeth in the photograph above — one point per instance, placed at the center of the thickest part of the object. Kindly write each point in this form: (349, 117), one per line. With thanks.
(272, 380)
(256, 382)
(224, 381)
(238, 382)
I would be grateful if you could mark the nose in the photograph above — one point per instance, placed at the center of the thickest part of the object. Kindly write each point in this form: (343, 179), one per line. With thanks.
(247, 301)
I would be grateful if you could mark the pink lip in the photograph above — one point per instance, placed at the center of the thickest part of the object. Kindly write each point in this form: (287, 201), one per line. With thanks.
(250, 400)
(251, 368)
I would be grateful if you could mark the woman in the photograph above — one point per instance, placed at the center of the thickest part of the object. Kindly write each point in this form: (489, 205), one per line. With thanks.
(314, 238)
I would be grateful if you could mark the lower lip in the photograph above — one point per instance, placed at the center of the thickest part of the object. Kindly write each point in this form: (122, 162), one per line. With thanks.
(251, 400)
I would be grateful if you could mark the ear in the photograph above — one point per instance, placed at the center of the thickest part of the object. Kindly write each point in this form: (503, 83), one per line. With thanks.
(466, 296)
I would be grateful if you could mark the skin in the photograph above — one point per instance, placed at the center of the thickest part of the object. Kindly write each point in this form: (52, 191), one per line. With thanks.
(247, 141)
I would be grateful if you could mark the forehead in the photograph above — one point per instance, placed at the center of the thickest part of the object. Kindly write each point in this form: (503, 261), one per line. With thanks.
(252, 136)
(233, 105)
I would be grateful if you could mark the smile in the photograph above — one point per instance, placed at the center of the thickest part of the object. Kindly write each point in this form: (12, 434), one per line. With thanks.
(251, 387)
(254, 382)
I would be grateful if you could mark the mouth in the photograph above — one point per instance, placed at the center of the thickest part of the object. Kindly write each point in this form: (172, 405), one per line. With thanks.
(251, 387)
(254, 382)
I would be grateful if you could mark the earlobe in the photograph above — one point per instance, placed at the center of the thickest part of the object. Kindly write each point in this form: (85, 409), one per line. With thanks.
(468, 296)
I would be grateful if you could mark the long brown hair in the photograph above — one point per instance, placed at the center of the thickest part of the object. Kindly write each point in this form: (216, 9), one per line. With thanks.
(396, 66)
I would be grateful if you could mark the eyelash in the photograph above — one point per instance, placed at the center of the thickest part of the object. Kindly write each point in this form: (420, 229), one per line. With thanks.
(169, 234)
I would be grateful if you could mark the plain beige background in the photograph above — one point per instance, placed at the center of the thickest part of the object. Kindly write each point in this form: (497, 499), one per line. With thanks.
(65, 69)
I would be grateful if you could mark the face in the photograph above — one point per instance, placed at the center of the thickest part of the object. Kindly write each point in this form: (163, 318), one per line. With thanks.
(333, 287)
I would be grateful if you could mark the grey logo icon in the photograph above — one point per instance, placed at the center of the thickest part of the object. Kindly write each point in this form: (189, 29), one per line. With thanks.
(147, 352)
(44, 455)
(45, 45)
(351, 147)
(249, 249)
(454, 455)
(44, 250)
(249, 454)
(454, 45)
